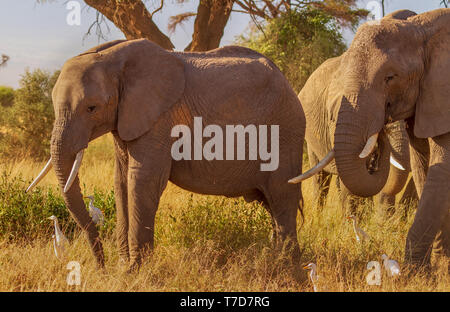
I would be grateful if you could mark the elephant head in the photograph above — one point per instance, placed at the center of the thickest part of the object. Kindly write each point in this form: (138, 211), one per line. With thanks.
(395, 68)
(117, 86)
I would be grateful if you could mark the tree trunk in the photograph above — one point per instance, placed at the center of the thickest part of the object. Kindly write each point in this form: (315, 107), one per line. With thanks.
(133, 19)
(212, 17)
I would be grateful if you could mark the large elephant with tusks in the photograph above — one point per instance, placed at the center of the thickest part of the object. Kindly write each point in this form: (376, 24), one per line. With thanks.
(144, 94)
(399, 69)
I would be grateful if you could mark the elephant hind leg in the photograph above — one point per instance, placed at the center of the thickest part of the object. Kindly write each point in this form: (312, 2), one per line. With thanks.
(259, 196)
(284, 202)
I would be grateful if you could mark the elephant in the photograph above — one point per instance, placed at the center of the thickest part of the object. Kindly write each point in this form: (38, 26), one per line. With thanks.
(143, 94)
(313, 97)
(398, 69)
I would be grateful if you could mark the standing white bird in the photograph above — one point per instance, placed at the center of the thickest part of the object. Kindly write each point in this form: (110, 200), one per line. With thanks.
(359, 233)
(60, 242)
(96, 214)
(313, 275)
(391, 266)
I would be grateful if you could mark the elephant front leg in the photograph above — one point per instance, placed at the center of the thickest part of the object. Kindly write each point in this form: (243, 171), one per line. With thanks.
(434, 205)
(121, 197)
(148, 174)
(419, 156)
(396, 181)
(320, 182)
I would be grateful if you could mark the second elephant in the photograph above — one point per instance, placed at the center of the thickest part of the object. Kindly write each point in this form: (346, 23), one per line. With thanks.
(317, 99)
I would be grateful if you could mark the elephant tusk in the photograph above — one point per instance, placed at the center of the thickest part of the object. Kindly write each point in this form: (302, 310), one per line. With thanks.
(370, 146)
(316, 169)
(74, 171)
(41, 175)
(396, 164)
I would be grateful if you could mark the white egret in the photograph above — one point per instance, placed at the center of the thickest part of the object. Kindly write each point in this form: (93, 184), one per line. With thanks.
(391, 266)
(96, 214)
(359, 233)
(313, 275)
(60, 242)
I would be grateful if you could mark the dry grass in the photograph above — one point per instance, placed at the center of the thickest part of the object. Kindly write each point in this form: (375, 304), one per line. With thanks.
(207, 243)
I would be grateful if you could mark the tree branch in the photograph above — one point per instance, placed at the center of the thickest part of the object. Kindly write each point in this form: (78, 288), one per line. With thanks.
(133, 19)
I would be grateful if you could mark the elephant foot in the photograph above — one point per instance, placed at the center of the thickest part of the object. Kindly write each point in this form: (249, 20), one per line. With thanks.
(418, 261)
(97, 249)
(133, 268)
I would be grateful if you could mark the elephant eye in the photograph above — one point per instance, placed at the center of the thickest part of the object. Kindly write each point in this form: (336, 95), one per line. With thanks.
(389, 78)
(91, 109)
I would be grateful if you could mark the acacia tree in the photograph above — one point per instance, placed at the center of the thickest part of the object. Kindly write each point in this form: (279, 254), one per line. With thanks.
(134, 19)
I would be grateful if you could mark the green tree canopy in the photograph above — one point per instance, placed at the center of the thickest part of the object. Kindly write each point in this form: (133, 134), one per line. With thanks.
(298, 42)
(27, 125)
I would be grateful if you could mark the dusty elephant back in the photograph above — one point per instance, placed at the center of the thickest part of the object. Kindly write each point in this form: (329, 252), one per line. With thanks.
(237, 86)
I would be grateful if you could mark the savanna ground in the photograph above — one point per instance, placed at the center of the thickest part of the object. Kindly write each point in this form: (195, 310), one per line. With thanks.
(203, 243)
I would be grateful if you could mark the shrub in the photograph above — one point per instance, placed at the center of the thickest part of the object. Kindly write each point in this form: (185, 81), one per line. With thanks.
(25, 215)
(6, 96)
(230, 223)
(27, 125)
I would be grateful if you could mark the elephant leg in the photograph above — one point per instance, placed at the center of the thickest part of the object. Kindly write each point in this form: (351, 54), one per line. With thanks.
(320, 182)
(349, 202)
(284, 204)
(148, 174)
(410, 194)
(420, 155)
(442, 243)
(409, 198)
(395, 183)
(387, 203)
(121, 196)
(434, 204)
(324, 187)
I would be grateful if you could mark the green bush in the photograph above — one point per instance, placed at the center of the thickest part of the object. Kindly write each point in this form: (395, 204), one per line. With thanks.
(6, 96)
(230, 223)
(297, 42)
(25, 215)
(27, 125)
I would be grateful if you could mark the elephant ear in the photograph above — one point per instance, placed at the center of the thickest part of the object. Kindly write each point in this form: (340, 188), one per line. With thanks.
(432, 116)
(151, 81)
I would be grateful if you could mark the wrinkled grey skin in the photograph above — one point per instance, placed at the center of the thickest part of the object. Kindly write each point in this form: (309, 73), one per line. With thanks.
(399, 69)
(313, 97)
(139, 92)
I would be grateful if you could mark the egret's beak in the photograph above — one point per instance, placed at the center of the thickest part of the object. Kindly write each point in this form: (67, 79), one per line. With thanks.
(350, 218)
(305, 267)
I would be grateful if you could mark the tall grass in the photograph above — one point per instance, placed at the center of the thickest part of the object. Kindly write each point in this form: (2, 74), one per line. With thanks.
(203, 243)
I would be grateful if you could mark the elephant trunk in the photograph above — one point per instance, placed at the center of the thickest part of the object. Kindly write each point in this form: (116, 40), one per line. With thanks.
(63, 156)
(362, 171)
(399, 142)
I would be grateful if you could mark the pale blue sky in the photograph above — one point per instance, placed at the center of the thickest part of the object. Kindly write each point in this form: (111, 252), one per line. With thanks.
(37, 35)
